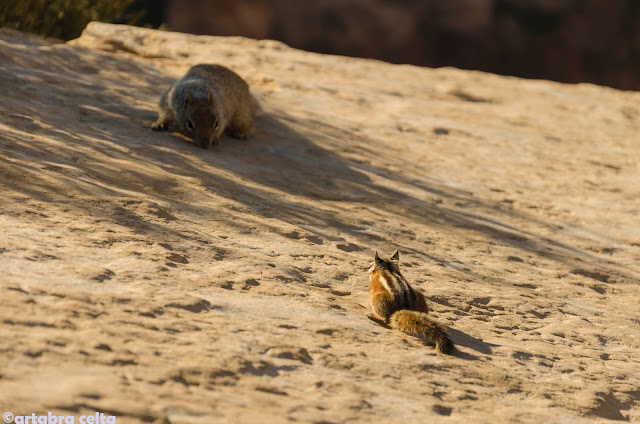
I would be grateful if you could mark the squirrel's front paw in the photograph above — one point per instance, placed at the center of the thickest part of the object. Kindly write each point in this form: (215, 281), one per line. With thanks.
(159, 126)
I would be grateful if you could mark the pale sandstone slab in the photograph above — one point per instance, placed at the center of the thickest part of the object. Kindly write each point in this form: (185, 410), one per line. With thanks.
(147, 278)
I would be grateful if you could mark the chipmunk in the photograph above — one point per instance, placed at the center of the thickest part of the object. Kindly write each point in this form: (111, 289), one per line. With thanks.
(397, 304)
(206, 102)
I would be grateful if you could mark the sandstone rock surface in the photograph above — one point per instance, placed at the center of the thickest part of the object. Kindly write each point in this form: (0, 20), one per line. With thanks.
(146, 278)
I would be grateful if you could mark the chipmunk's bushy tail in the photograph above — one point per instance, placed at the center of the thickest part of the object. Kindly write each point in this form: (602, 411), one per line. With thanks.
(419, 324)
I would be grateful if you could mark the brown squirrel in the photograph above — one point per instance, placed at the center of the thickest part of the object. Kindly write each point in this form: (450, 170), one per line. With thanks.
(397, 304)
(206, 102)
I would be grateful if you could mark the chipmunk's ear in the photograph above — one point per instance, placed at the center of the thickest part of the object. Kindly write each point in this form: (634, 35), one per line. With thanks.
(376, 259)
(395, 256)
(210, 98)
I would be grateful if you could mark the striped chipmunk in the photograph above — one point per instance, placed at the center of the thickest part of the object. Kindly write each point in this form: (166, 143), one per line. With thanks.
(399, 305)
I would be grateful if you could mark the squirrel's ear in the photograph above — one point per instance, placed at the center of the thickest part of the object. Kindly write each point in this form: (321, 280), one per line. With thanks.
(210, 98)
(190, 97)
(395, 256)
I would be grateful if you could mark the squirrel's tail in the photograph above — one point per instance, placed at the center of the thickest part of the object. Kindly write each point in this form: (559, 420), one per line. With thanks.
(419, 324)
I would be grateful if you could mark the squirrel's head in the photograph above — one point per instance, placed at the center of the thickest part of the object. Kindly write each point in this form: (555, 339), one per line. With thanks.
(391, 264)
(200, 119)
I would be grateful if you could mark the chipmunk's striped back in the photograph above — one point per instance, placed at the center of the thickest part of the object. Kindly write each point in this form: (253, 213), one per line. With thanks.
(387, 276)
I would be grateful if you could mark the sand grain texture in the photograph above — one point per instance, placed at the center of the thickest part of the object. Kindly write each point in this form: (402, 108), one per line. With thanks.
(144, 277)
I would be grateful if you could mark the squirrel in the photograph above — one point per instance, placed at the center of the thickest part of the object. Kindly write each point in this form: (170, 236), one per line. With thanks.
(400, 306)
(208, 100)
